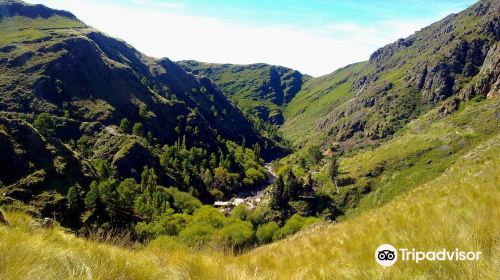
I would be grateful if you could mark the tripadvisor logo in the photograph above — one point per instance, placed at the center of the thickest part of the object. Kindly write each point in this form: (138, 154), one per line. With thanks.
(387, 255)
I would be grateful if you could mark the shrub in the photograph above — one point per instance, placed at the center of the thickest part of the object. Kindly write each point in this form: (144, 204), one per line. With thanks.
(209, 215)
(138, 129)
(293, 225)
(102, 168)
(241, 212)
(266, 232)
(237, 234)
(45, 124)
(197, 233)
(124, 125)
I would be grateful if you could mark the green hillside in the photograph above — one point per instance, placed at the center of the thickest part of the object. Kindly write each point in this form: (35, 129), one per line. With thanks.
(113, 163)
(99, 136)
(259, 89)
(446, 63)
(456, 209)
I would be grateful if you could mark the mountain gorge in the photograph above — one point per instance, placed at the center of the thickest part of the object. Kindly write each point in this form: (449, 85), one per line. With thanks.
(105, 140)
(75, 101)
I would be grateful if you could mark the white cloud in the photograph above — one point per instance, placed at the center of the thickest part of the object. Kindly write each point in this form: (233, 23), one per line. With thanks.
(173, 34)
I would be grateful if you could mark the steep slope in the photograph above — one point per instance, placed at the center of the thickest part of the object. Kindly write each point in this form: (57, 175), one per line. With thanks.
(259, 89)
(38, 76)
(442, 65)
(73, 100)
(456, 210)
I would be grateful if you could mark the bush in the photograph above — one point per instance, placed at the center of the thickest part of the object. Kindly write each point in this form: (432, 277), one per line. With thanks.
(209, 215)
(124, 125)
(182, 201)
(255, 176)
(45, 124)
(315, 155)
(237, 234)
(241, 212)
(102, 168)
(266, 232)
(138, 129)
(168, 224)
(198, 233)
(293, 225)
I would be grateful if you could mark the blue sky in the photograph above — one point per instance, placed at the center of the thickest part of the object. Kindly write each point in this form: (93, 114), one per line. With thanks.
(313, 36)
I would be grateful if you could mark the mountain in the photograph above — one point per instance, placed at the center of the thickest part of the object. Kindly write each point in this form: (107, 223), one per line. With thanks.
(259, 89)
(451, 61)
(73, 100)
(129, 150)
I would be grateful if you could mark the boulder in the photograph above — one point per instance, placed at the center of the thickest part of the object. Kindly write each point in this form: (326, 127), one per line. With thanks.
(47, 223)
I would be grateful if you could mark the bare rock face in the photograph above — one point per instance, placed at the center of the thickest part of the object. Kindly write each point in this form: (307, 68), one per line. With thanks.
(490, 84)
(2, 220)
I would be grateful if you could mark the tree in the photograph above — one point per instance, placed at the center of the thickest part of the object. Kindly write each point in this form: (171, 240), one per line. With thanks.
(73, 198)
(138, 129)
(124, 125)
(277, 194)
(92, 197)
(293, 225)
(333, 172)
(241, 212)
(83, 144)
(256, 151)
(102, 168)
(143, 112)
(149, 183)
(109, 196)
(293, 186)
(127, 191)
(45, 124)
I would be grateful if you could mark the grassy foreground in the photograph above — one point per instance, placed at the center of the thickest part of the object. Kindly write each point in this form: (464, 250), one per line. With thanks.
(458, 209)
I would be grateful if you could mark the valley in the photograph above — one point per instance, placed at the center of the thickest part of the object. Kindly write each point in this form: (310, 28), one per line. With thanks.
(149, 168)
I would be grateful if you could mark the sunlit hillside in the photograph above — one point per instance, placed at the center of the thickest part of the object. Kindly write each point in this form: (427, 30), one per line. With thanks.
(454, 210)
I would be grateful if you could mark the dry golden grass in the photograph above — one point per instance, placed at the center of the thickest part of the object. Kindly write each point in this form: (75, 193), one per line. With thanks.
(459, 209)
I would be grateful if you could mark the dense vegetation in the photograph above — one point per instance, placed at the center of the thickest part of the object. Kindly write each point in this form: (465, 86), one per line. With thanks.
(454, 210)
(103, 138)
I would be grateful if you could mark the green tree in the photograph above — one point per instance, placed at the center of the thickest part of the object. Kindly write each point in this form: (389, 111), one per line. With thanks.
(45, 124)
(124, 125)
(83, 144)
(143, 112)
(102, 168)
(293, 186)
(127, 192)
(73, 198)
(109, 196)
(138, 129)
(277, 194)
(293, 225)
(92, 197)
